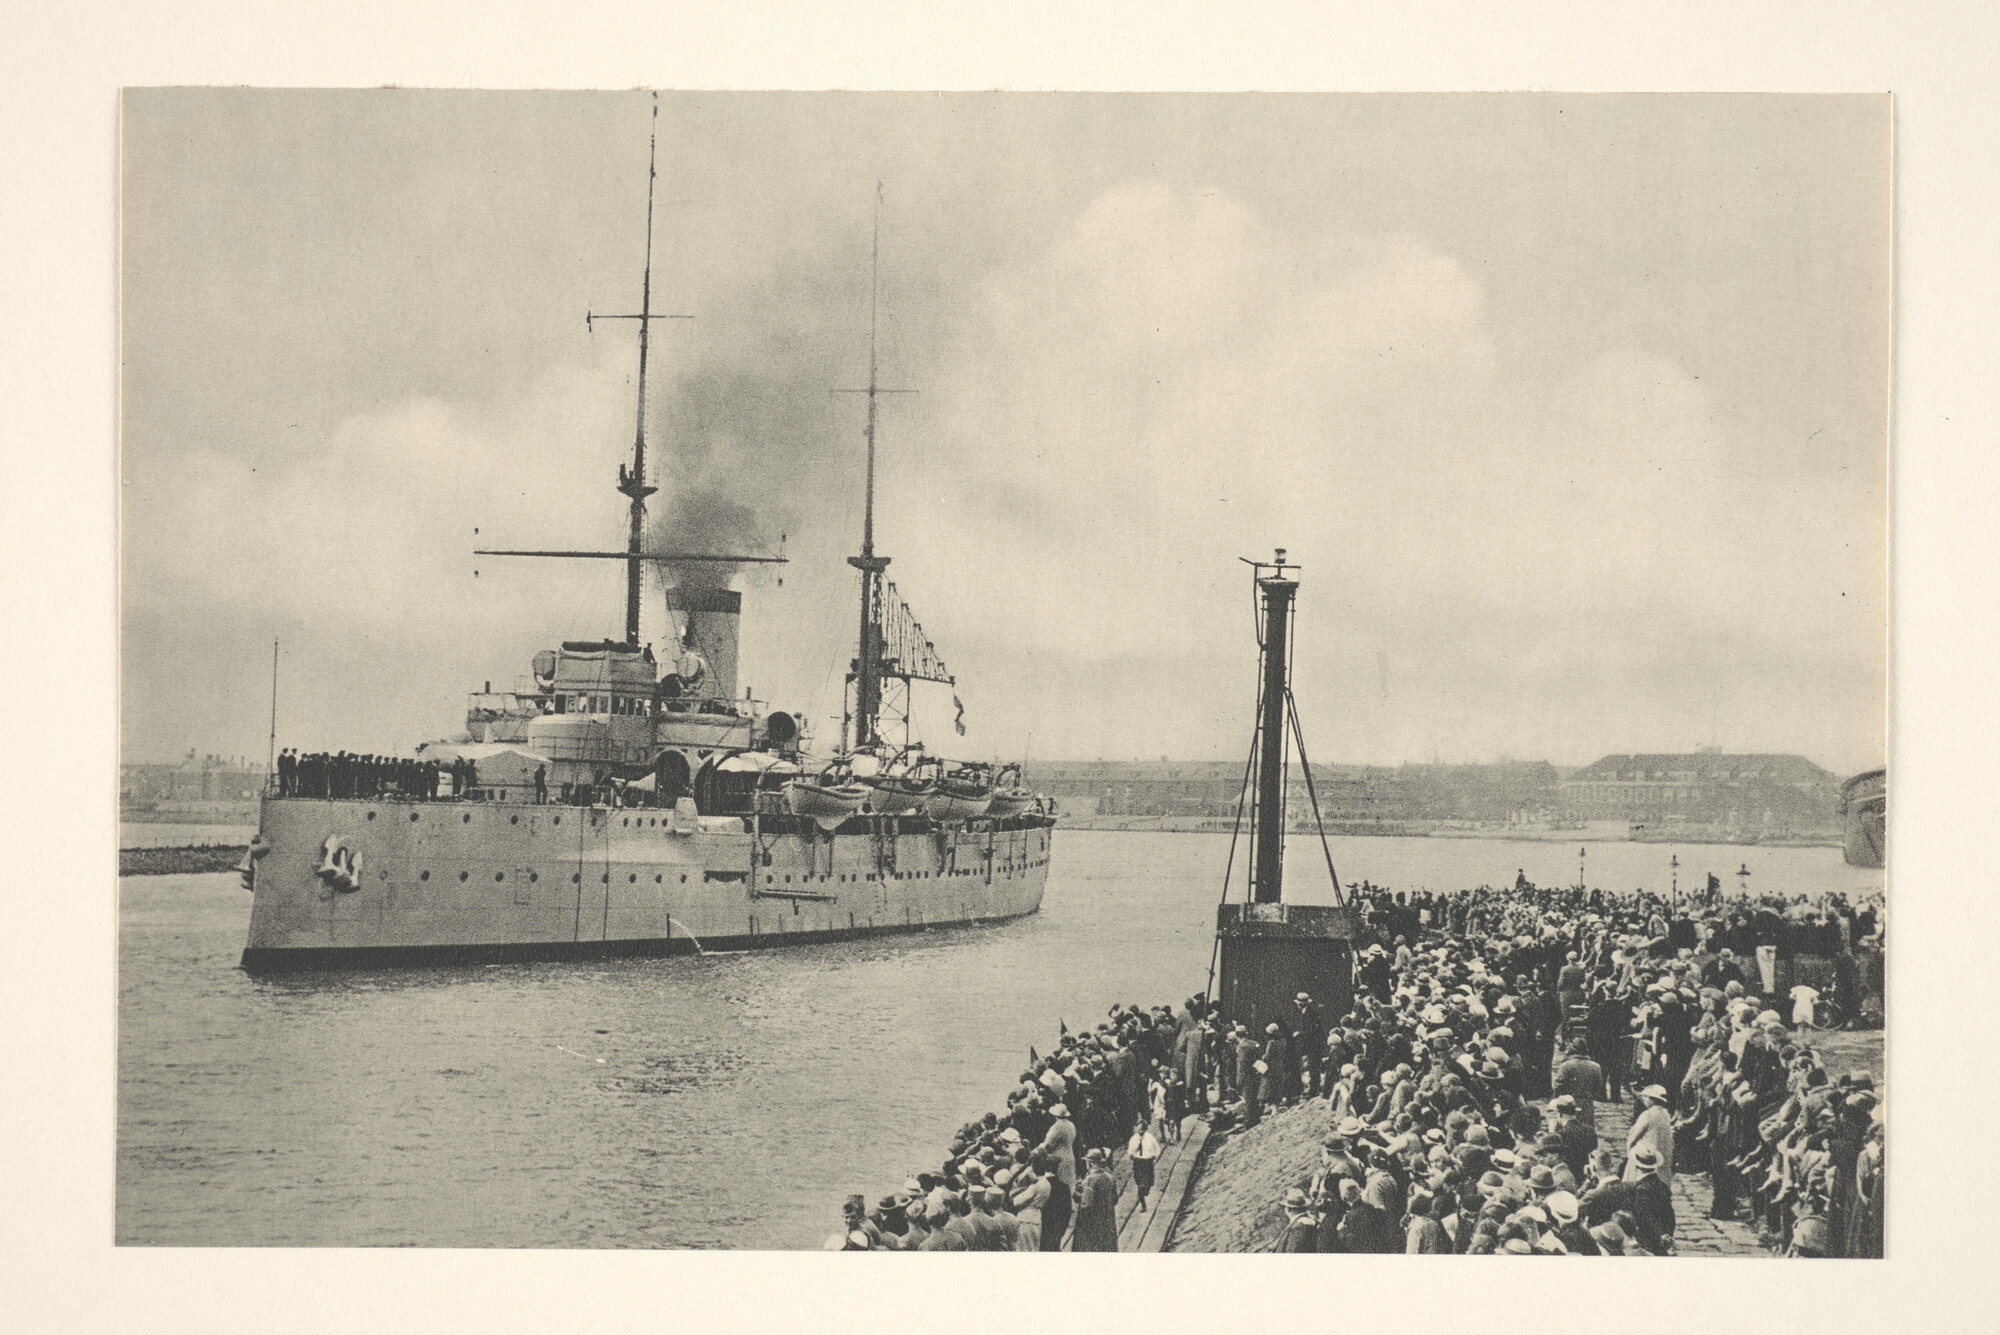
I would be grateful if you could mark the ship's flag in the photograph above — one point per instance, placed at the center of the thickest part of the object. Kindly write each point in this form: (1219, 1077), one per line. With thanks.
(1032, 1058)
(958, 722)
(1063, 1025)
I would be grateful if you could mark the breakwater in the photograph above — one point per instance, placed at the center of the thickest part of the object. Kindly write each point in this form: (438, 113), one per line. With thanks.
(187, 859)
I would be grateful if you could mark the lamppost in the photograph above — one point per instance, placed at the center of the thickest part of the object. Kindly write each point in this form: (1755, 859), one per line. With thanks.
(1743, 880)
(1580, 883)
(1675, 863)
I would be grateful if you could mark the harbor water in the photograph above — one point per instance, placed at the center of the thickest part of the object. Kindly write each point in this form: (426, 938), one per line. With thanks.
(723, 1101)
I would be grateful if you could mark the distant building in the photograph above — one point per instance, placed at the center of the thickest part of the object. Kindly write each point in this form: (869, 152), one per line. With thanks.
(1780, 792)
(1501, 792)
(207, 779)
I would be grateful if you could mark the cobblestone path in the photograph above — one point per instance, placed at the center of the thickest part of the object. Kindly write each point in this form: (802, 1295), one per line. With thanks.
(1695, 1234)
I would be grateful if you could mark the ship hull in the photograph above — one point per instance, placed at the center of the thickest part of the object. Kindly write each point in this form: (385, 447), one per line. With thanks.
(1864, 803)
(486, 882)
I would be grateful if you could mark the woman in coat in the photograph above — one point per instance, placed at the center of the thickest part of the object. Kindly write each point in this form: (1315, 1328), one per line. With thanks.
(1097, 1208)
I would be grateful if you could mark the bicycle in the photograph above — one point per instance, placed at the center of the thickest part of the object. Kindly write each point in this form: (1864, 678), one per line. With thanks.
(1827, 1014)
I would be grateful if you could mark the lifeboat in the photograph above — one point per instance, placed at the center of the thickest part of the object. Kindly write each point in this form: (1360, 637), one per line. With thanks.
(897, 794)
(1009, 797)
(827, 798)
(898, 787)
(961, 795)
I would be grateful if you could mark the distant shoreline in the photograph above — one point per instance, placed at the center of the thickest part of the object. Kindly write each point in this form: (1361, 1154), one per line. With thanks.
(1440, 830)
(190, 813)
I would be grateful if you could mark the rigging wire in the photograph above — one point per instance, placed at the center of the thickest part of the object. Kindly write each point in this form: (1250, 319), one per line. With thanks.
(1319, 821)
(1242, 793)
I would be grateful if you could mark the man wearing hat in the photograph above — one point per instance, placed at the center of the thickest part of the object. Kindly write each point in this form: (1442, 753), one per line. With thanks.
(854, 1214)
(1577, 1139)
(1565, 1213)
(1060, 1147)
(1190, 1041)
(918, 1232)
(1301, 1224)
(1310, 1032)
(1337, 1165)
(1280, 1078)
(1097, 1207)
(1652, 1203)
(1374, 1223)
(1652, 1129)
(888, 1219)
(1583, 1080)
(1610, 1237)
(1030, 1191)
(1248, 1077)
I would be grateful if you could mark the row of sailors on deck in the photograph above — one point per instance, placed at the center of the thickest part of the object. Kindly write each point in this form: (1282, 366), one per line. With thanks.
(341, 774)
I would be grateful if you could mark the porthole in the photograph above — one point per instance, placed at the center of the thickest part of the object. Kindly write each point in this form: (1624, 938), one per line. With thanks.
(658, 879)
(626, 821)
(576, 878)
(606, 878)
(465, 819)
(633, 878)
(513, 820)
(423, 876)
(499, 875)
(462, 875)
(413, 815)
(533, 877)
(684, 878)
(371, 815)
(558, 820)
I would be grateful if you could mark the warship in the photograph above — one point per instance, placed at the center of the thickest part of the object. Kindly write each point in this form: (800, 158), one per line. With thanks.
(622, 804)
(1864, 815)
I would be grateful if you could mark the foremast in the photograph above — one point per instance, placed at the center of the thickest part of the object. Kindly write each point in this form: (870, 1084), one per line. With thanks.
(632, 481)
(633, 484)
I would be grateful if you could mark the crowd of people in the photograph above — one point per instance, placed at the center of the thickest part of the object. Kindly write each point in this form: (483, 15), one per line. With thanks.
(1488, 1026)
(1462, 1088)
(1041, 1172)
(341, 774)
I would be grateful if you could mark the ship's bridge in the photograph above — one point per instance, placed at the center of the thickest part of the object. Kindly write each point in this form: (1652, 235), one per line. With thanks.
(607, 702)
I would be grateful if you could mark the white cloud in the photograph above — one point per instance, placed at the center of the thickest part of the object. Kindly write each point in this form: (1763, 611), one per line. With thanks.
(1545, 552)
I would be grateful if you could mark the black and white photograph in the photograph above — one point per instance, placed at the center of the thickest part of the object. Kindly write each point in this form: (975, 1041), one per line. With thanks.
(1147, 672)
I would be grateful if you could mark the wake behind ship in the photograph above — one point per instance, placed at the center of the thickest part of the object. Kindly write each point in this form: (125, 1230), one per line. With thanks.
(625, 804)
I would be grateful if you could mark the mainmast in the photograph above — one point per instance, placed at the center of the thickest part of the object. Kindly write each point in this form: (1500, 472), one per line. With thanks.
(868, 656)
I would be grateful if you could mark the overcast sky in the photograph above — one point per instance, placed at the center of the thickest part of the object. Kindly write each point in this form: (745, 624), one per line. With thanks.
(1573, 408)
